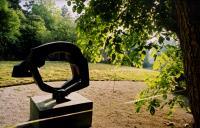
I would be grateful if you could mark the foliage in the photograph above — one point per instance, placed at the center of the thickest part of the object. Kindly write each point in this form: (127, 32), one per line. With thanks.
(33, 33)
(61, 27)
(42, 22)
(169, 81)
(125, 30)
(9, 28)
(120, 29)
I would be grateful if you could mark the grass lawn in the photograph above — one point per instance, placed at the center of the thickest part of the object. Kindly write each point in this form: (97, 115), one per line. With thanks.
(58, 71)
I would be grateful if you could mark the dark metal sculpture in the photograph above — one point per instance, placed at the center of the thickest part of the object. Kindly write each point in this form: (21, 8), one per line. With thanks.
(36, 59)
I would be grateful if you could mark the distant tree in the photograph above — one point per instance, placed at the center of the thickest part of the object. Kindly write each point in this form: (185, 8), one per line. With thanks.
(61, 28)
(40, 22)
(33, 33)
(9, 29)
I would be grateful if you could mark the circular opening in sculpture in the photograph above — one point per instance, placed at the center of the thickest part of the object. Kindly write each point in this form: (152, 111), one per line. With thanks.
(56, 68)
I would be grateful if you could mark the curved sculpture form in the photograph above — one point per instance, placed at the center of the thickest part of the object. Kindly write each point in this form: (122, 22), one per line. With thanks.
(36, 59)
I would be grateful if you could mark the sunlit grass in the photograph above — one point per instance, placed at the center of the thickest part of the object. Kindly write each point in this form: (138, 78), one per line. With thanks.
(58, 71)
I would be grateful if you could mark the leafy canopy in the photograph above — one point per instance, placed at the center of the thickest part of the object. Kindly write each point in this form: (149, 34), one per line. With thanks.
(120, 28)
(123, 31)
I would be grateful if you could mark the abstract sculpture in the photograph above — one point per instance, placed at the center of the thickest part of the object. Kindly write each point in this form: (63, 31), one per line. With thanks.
(36, 59)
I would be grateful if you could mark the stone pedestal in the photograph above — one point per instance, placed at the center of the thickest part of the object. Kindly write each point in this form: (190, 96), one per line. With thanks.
(75, 112)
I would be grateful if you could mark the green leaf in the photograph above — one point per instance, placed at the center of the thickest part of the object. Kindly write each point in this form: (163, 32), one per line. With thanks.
(144, 52)
(164, 96)
(155, 103)
(138, 109)
(117, 39)
(74, 8)
(79, 10)
(113, 56)
(117, 48)
(167, 38)
(69, 3)
(90, 43)
(161, 40)
(152, 110)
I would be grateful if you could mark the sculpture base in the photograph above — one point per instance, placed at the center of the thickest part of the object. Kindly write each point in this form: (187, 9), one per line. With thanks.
(75, 112)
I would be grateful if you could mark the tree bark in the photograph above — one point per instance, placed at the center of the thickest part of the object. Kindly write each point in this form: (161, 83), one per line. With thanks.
(188, 20)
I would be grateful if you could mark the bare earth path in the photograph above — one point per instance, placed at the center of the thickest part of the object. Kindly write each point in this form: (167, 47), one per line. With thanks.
(110, 110)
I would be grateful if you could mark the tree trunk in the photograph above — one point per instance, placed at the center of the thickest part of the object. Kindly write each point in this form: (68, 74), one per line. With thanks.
(188, 20)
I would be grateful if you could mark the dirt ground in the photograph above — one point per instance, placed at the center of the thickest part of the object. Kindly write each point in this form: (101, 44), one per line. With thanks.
(110, 108)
